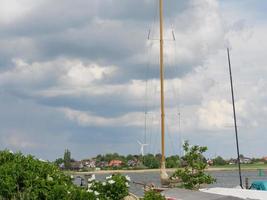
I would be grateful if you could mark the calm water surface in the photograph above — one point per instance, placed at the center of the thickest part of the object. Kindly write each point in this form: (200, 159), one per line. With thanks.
(223, 179)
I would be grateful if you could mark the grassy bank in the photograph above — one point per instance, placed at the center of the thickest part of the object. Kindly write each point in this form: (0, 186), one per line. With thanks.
(211, 168)
(254, 166)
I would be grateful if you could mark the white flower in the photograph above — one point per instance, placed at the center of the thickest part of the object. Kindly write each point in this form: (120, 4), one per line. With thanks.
(104, 183)
(89, 190)
(89, 185)
(111, 181)
(11, 152)
(96, 193)
(42, 160)
(128, 178)
(127, 184)
(108, 177)
(92, 178)
(49, 178)
(68, 192)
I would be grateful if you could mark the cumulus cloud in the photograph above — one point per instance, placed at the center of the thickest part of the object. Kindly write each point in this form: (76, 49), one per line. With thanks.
(12, 10)
(69, 73)
(87, 119)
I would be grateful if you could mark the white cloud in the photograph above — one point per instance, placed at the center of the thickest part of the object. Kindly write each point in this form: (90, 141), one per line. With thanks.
(64, 72)
(80, 75)
(215, 115)
(88, 119)
(200, 32)
(11, 10)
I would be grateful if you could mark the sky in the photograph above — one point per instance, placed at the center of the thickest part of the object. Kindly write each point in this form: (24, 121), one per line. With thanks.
(82, 75)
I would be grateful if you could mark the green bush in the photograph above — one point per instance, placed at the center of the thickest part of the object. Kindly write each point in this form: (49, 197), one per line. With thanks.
(114, 188)
(26, 178)
(193, 175)
(152, 195)
(219, 161)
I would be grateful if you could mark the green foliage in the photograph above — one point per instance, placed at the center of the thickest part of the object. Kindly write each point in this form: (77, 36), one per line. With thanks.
(151, 161)
(147, 161)
(24, 177)
(59, 161)
(109, 157)
(219, 161)
(153, 195)
(173, 162)
(67, 159)
(193, 175)
(114, 188)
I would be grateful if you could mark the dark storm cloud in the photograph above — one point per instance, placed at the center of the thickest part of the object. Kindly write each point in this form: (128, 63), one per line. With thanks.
(40, 130)
(139, 10)
(105, 105)
(103, 135)
(24, 114)
(145, 71)
(95, 42)
(55, 16)
(107, 31)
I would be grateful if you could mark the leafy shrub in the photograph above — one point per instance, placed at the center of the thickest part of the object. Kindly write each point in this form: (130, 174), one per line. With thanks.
(114, 188)
(219, 161)
(193, 175)
(24, 177)
(153, 195)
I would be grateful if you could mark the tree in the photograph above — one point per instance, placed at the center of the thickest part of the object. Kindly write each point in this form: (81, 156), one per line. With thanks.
(67, 159)
(193, 175)
(59, 161)
(173, 162)
(130, 157)
(219, 161)
(151, 161)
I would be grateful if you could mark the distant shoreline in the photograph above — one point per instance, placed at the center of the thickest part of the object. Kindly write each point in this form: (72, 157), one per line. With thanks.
(210, 169)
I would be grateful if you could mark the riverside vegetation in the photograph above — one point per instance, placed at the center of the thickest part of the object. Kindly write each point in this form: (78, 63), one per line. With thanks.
(27, 178)
(150, 161)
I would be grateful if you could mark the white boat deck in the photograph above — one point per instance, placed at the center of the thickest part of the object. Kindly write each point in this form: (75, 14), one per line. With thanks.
(237, 192)
(181, 194)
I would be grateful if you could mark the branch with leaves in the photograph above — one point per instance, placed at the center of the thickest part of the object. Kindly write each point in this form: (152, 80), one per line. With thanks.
(193, 174)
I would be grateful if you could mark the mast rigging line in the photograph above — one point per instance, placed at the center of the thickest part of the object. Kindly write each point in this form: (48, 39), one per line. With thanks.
(148, 66)
(175, 94)
(172, 63)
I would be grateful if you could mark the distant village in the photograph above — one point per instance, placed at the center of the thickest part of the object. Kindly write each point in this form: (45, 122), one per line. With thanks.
(149, 161)
(92, 164)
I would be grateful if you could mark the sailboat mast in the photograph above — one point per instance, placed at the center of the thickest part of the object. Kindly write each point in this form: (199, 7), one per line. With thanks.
(233, 102)
(162, 86)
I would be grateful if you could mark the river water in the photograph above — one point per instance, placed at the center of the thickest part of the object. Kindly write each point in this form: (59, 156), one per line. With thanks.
(223, 179)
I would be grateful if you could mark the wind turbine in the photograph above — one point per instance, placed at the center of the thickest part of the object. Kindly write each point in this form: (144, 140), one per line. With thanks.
(142, 147)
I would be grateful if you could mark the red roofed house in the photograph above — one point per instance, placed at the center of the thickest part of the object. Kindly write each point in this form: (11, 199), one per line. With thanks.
(115, 163)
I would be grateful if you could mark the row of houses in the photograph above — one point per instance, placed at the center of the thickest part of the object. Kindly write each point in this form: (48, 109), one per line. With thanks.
(246, 160)
(243, 160)
(93, 164)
